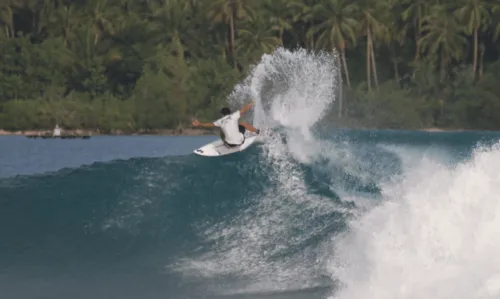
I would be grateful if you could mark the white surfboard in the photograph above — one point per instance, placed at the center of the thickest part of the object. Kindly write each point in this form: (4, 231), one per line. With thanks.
(218, 148)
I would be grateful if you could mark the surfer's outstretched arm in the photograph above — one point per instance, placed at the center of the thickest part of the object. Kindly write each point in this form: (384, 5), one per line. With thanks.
(246, 108)
(196, 123)
(249, 127)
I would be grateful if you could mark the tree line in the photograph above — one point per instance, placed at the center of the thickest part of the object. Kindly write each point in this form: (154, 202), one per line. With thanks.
(146, 64)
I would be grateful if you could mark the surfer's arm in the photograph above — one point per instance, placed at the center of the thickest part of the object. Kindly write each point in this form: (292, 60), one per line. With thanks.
(249, 127)
(196, 123)
(246, 108)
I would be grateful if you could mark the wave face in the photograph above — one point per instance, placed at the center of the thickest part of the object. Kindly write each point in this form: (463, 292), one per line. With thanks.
(310, 212)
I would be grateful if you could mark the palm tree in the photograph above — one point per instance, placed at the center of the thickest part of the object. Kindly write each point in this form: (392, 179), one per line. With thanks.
(227, 11)
(171, 22)
(88, 60)
(301, 10)
(42, 12)
(280, 14)
(337, 27)
(442, 37)
(496, 20)
(99, 12)
(65, 19)
(257, 36)
(214, 43)
(371, 16)
(414, 11)
(125, 13)
(475, 14)
(397, 39)
(7, 19)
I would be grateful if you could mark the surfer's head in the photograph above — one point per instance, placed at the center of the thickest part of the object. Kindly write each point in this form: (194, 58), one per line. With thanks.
(225, 111)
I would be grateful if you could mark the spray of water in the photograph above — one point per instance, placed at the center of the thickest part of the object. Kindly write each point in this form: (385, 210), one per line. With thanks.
(292, 89)
(435, 236)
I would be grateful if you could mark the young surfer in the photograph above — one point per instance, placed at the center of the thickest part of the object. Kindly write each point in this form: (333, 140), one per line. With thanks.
(232, 131)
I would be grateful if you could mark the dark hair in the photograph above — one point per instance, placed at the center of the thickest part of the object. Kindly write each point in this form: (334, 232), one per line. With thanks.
(225, 111)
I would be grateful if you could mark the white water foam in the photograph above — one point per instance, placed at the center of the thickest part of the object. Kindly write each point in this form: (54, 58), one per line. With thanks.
(437, 235)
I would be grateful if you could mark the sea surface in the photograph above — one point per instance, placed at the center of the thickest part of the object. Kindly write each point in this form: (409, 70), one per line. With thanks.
(142, 217)
(24, 156)
(309, 211)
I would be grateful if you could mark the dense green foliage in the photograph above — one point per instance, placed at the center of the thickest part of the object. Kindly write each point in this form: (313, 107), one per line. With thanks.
(145, 64)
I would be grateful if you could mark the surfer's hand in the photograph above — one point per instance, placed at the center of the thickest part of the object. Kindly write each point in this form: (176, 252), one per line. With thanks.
(196, 123)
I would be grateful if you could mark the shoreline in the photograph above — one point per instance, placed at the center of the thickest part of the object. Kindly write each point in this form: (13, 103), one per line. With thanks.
(438, 130)
(443, 130)
(82, 132)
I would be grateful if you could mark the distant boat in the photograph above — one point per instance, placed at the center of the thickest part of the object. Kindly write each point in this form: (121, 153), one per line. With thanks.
(56, 134)
(57, 131)
(59, 137)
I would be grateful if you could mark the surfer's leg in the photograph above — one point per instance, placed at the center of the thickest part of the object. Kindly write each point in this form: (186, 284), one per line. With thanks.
(248, 127)
(222, 137)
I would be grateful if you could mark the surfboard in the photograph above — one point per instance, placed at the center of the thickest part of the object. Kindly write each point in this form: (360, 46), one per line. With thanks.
(218, 148)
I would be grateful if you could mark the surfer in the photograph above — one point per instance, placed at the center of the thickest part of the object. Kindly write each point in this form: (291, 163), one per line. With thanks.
(232, 131)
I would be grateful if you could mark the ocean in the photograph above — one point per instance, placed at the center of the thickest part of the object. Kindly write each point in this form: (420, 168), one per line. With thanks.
(310, 211)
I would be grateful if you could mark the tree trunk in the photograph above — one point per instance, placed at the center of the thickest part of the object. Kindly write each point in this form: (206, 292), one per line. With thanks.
(346, 70)
(443, 65)
(178, 46)
(474, 63)
(396, 70)
(417, 39)
(341, 93)
(394, 62)
(441, 108)
(481, 61)
(231, 25)
(418, 45)
(368, 56)
(374, 67)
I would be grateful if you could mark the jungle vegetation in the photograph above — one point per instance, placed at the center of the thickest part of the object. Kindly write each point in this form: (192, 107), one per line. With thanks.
(147, 64)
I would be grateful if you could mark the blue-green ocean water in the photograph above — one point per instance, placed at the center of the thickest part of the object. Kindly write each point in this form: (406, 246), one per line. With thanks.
(352, 214)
